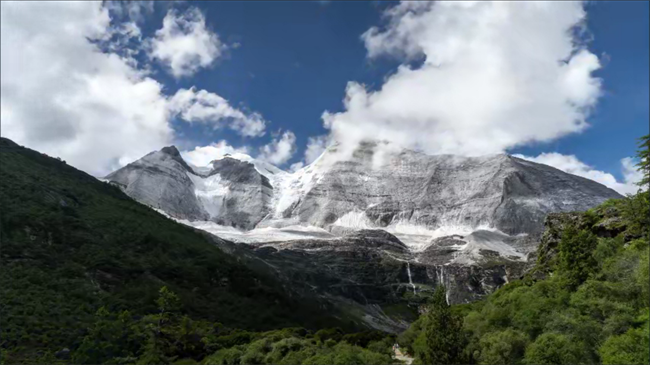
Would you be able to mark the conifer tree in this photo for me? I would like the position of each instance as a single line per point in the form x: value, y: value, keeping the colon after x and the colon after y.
x: 442, y: 340
x: 643, y: 153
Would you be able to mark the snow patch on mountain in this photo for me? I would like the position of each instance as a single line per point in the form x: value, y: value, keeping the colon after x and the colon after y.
x: 479, y: 242
x: 211, y: 192
x: 355, y: 220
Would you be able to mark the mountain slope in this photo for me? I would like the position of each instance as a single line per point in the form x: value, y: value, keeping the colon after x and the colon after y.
x: 71, y: 244
x: 408, y: 191
x: 229, y: 192
x: 442, y: 191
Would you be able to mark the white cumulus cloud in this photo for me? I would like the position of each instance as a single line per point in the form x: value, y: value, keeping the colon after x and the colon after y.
x: 70, y: 87
x: 296, y: 166
x: 62, y: 96
x: 202, y: 156
x: 572, y: 165
x: 134, y: 10
x: 184, y: 44
x: 315, y: 147
x: 279, y: 150
x: 490, y: 76
x: 206, y: 107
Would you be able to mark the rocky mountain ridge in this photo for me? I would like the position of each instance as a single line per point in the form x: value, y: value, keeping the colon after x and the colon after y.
x: 419, y: 198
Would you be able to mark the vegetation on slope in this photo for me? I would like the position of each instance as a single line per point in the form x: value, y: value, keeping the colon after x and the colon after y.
x: 167, y: 336
x: 77, y: 253
x: 586, y: 302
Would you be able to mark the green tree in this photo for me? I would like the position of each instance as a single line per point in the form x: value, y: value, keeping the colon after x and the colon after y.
x: 555, y: 348
x: 224, y: 357
x: 154, y: 350
x: 643, y: 153
x: 160, y: 331
x: 442, y: 340
x: 408, y: 337
x: 629, y: 348
x: 576, y: 258
x: 503, y: 347
x: 168, y: 306
x: 642, y: 276
x: 110, y: 337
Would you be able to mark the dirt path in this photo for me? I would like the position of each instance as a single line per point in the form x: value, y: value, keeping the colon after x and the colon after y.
x: 400, y: 356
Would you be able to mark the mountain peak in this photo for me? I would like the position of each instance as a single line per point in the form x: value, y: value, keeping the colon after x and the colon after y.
x: 171, y: 150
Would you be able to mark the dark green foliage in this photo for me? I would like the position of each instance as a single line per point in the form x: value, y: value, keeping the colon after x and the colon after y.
x: 555, y: 348
x: 229, y: 356
x: 274, y: 348
x: 634, y: 211
x: 111, y: 337
x: 329, y: 333
x: 72, y: 244
x: 576, y: 261
x: 167, y: 336
x: 643, y: 153
x: 631, y: 347
x: 407, y: 338
x: 503, y: 347
x: 441, y: 341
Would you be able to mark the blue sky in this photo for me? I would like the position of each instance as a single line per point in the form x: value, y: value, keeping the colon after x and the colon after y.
x: 295, y: 59
x: 269, y: 70
x: 293, y: 62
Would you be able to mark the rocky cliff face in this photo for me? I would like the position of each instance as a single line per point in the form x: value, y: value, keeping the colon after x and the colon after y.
x: 372, y: 277
x: 407, y: 189
x: 497, y: 191
x: 161, y: 180
x: 229, y: 192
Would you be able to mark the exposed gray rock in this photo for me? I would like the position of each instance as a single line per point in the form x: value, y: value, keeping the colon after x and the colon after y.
x: 63, y: 354
x: 499, y: 191
x: 231, y: 192
x: 370, y: 273
x: 160, y: 180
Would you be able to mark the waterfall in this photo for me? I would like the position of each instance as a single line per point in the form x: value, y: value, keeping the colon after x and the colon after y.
x: 408, y: 271
x: 441, y: 281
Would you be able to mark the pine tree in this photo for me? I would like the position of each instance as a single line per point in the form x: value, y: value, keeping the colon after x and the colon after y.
x: 168, y: 305
x: 160, y: 330
x: 577, y: 262
x: 442, y: 340
x: 110, y: 337
x: 153, y: 351
x: 643, y: 153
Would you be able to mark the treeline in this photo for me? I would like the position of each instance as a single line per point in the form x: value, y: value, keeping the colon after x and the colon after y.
x: 170, y: 337
x: 586, y: 302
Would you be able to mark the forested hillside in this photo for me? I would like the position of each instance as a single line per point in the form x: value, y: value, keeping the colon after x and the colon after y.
x: 81, y: 259
x: 585, y: 302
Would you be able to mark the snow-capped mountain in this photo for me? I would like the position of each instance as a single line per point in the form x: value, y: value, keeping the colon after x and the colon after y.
x: 230, y: 192
x: 416, y: 196
x: 441, y: 192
